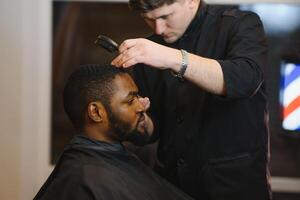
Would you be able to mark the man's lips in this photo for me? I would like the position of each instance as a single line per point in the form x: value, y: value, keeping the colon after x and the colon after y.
x: 168, y: 35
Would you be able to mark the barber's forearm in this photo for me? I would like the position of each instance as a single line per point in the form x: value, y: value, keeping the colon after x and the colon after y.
x: 205, y: 73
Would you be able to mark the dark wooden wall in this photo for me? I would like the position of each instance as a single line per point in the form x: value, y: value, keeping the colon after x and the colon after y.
x: 76, y: 26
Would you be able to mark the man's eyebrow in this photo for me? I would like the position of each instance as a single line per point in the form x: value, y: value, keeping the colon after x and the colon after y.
x: 159, y: 17
x: 145, y: 17
x: 133, y: 93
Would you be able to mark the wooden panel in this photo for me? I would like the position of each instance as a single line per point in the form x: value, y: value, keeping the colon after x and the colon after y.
x: 75, y: 28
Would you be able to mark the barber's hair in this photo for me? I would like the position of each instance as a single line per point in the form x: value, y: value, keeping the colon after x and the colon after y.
x: 148, y: 5
x: 87, y: 84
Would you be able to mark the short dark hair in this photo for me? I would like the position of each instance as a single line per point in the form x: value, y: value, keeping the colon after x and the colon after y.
x: 86, y: 84
x: 148, y: 5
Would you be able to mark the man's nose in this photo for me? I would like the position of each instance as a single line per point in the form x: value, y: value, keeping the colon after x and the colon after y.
x: 160, y: 26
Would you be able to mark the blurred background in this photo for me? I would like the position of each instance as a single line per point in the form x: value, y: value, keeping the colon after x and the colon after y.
x: 42, y: 41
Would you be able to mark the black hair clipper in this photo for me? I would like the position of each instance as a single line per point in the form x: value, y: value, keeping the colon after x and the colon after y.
x: 107, y: 43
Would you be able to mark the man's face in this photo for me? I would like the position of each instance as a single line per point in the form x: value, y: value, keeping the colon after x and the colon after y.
x: 126, y: 112
x: 171, y: 21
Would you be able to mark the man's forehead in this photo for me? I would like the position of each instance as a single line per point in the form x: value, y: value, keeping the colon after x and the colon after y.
x: 158, y: 12
x: 124, y: 84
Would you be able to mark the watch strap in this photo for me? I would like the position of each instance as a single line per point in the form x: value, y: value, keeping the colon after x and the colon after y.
x: 184, y: 64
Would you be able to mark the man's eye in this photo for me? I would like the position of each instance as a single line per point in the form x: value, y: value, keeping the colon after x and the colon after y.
x: 135, y: 97
x: 130, y: 102
x: 164, y: 17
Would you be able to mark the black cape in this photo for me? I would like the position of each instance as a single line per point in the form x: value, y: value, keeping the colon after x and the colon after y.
x: 90, y: 169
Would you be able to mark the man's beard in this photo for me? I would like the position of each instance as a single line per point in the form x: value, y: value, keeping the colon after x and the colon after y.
x: 124, y: 132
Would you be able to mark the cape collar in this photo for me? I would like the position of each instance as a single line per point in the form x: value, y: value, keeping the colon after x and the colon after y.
x: 86, y: 142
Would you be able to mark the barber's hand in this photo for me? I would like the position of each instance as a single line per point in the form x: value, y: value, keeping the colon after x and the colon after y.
x: 145, y: 102
x: 134, y: 51
x: 147, y: 125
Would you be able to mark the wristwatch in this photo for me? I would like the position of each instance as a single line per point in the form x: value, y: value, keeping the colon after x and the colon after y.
x: 184, y: 64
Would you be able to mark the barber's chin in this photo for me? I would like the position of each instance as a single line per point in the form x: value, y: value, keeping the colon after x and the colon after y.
x: 170, y: 39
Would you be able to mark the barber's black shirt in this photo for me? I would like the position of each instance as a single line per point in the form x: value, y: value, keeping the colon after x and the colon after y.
x: 196, y: 127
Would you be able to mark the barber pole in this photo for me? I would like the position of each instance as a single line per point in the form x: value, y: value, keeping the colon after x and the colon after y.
x: 290, y: 96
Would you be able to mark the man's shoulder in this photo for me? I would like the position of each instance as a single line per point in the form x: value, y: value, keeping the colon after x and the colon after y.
x: 85, y: 170
x: 225, y: 11
x: 74, y: 161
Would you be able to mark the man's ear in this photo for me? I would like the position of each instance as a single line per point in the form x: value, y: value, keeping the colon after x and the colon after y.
x: 192, y: 3
x: 96, y: 112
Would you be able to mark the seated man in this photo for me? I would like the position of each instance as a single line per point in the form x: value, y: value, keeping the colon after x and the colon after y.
x: 103, y: 104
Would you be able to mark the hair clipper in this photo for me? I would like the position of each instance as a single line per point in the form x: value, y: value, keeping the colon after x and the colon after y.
x: 107, y: 43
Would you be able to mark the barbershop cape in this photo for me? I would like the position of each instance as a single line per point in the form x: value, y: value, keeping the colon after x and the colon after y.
x: 90, y: 169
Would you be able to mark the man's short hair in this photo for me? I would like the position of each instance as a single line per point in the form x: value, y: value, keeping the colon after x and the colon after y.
x: 148, y: 5
x: 87, y: 84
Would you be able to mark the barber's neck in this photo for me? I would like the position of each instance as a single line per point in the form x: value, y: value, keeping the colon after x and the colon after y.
x: 197, y: 7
